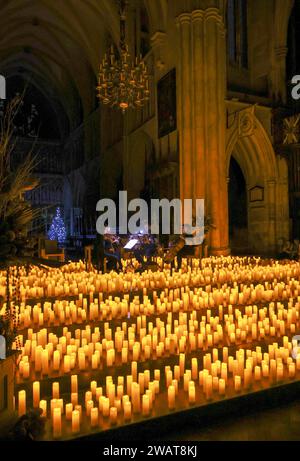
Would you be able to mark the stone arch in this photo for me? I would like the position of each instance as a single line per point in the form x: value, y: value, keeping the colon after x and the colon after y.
x: 267, y: 190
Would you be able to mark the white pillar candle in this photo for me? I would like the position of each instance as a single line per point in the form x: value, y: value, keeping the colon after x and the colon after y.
x: 45, y: 362
x: 55, y: 390
x: 43, y: 407
x: 192, y: 392
x: 74, y: 398
x: 36, y: 394
x: 89, y: 406
x: 56, y: 360
x: 69, y: 410
x: 257, y: 373
x: 135, y: 398
x: 194, y: 368
x: 105, y: 407
x: 127, y: 411
x: 145, y: 405
x: 292, y: 370
x: 94, y: 417
x: 237, y: 383
x: 56, y: 423
x: 74, y: 383
x: 67, y: 364
x: 75, y: 421
x: 171, y: 397
x: 222, y: 386
x: 26, y: 370
x: 21, y: 403
x: 113, y: 415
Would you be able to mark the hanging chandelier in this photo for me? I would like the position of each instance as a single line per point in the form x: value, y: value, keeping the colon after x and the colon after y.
x: 122, y: 82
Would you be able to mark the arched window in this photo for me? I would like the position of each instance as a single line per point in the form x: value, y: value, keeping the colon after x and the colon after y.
x: 237, y: 32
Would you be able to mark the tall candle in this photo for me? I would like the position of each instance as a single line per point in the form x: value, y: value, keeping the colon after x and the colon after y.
x: 43, y: 407
x: 55, y: 390
x: 145, y: 405
x: 21, y: 403
x: 191, y: 392
x: 127, y: 411
x: 94, y: 417
x: 171, y: 397
x: 222, y: 386
x: 75, y: 421
x: 69, y: 411
x: 89, y: 406
x: 36, y: 394
x: 74, y: 383
x: 105, y: 407
x: 56, y: 423
x: 113, y: 415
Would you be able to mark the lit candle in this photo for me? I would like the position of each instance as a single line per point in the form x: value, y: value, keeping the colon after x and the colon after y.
x: 36, y: 394
x: 69, y: 411
x: 237, y: 383
x: 113, y: 415
x: 75, y: 421
x: 105, y: 407
x: 56, y: 423
x: 192, y: 392
x: 56, y: 360
x: 67, y: 364
x: 55, y: 390
x: 145, y: 405
x: 89, y: 406
x: 127, y: 411
x: 74, y: 383
x: 222, y: 386
x: 22, y: 403
x: 171, y: 397
x: 43, y: 407
x: 74, y: 398
x: 94, y: 417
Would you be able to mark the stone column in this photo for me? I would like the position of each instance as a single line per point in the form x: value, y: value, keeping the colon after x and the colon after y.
x: 201, y: 87
x: 199, y: 158
x: 184, y: 81
x: 215, y: 125
x: 272, y: 215
x: 279, y: 84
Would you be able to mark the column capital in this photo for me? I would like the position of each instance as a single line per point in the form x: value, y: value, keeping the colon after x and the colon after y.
x: 213, y: 13
x: 197, y: 15
x: 184, y: 18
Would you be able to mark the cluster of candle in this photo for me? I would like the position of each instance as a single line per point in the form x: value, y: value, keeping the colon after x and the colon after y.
x: 71, y: 282
x: 141, y: 394
x: 156, y: 342
x: 145, y: 339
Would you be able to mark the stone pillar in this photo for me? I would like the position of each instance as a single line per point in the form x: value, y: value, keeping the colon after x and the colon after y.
x: 215, y: 82
x: 185, y: 107
x: 201, y: 114
x: 272, y: 215
x: 279, y: 73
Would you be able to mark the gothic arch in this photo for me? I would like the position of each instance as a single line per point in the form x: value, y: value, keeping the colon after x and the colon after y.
x: 264, y: 170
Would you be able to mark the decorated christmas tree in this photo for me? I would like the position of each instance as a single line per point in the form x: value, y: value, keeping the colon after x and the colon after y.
x: 57, y: 230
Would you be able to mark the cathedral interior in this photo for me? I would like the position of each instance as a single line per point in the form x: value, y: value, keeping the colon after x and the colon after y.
x: 163, y: 99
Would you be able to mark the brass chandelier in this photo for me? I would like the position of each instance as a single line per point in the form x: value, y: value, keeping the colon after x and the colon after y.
x: 122, y: 82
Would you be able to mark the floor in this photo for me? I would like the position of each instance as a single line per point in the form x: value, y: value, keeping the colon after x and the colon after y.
x: 281, y: 424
